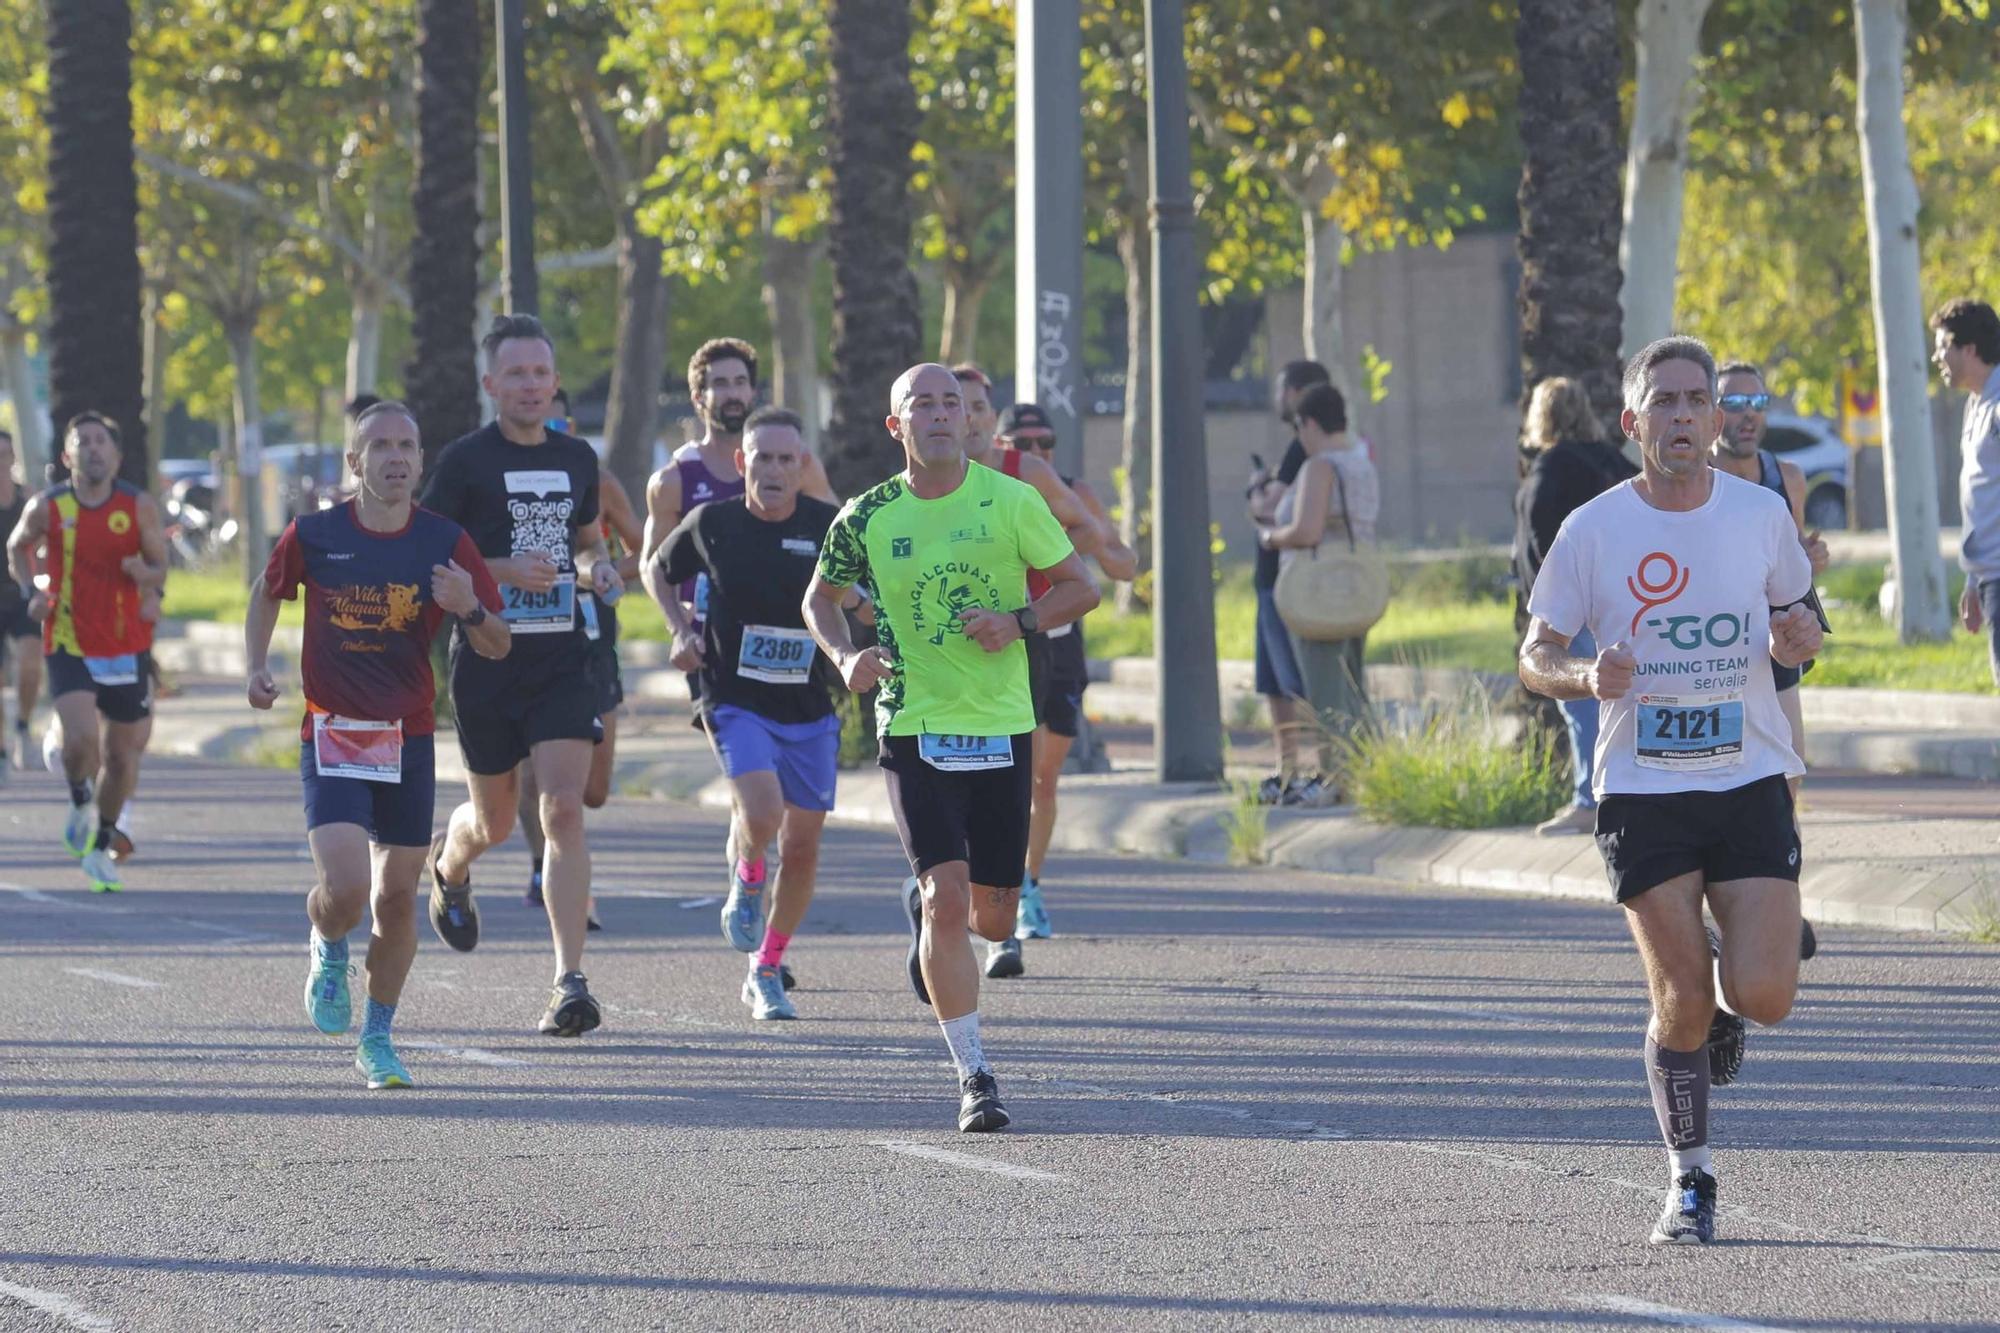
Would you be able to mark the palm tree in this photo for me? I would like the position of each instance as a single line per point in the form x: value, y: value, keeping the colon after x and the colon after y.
x: 95, y: 358
x: 441, y: 378
x: 877, y: 326
x: 1572, y: 171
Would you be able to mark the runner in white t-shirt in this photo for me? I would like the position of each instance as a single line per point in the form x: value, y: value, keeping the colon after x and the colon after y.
x: 1689, y: 576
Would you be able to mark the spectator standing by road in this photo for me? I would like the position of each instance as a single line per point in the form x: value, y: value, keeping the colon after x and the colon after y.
x: 1966, y: 349
x: 1335, y: 496
x: 1569, y: 463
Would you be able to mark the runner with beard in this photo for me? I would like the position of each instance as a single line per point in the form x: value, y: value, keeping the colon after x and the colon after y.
x: 722, y: 380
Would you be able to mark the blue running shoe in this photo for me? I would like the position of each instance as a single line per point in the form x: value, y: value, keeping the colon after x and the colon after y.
x: 1689, y: 1215
x: 329, y: 1003
x: 80, y: 830
x: 764, y: 992
x: 102, y: 871
x: 533, y: 897
x: 376, y: 1059
x: 913, y: 906
x: 1031, y: 919
x: 743, y: 916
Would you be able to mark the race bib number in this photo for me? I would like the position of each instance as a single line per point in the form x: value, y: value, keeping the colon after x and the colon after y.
x: 775, y: 656
x: 587, y: 604
x: 551, y: 612
x: 966, y: 754
x: 113, y: 670
x: 345, y: 747
x: 1689, y: 733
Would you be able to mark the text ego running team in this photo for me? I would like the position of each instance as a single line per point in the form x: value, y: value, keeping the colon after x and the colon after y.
x: 966, y: 564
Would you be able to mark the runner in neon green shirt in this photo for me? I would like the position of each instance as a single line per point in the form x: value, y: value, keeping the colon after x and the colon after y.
x: 944, y: 549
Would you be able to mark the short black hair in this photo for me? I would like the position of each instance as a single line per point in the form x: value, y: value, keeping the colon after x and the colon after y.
x: 1973, y: 322
x: 1303, y: 374
x: 1324, y: 406
x: 506, y: 328
x: 774, y: 416
x: 1740, y: 368
x: 967, y: 370
x: 562, y: 396
x: 85, y: 418
x: 719, y: 349
x: 361, y: 403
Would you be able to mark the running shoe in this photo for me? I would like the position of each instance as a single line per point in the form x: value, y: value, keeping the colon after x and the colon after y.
x: 101, y: 871
x: 764, y: 992
x: 1031, y: 918
x: 743, y: 916
x: 329, y: 1003
x: 1004, y: 959
x: 590, y: 921
x: 979, y: 1108
x: 785, y: 975
x: 80, y: 828
x: 533, y: 897
x: 1808, y: 941
x: 1726, y: 1036
x: 571, y: 1012
x: 1689, y: 1215
x: 454, y: 916
x: 376, y: 1059
x: 1271, y: 790
x: 913, y: 907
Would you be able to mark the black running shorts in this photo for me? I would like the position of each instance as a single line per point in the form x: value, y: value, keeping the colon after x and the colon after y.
x: 1057, y: 678
x: 1744, y: 833
x: 980, y: 818
x: 496, y: 731
x: 128, y: 697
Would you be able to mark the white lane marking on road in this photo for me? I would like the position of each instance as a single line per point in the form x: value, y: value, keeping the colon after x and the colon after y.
x: 1667, y: 1314
x: 115, y: 978
x: 614, y: 891
x: 701, y: 902
x: 1310, y: 1129
x: 57, y: 1306
x: 231, y: 933
x: 966, y: 1160
x: 49, y: 899
x: 472, y: 1053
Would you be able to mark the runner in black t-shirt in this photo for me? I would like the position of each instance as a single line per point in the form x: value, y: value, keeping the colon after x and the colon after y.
x: 766, y: 691
x: 528, y: 497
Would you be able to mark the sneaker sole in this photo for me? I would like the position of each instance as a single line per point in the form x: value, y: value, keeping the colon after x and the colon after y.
x: 1667, y: 1241
x: 1005, y: 965
x: 569, y: 1022
x: 742, y: 943
x: 392, y: 1081
x: 984, y: 1122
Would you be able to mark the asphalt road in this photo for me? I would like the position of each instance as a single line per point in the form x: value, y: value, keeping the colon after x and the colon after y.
x: 1241, y: 1099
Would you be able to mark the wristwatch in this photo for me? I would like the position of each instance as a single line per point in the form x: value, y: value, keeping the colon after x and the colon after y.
x: 477, y: 618
x: 1027, y: 620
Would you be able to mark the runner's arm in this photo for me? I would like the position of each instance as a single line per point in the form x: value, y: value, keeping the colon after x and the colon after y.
x: 1085, y: 532
x: 663, y: 511
x: 261, y: 619
x: 1795, y: 497
x: 862, y: 669
x: 1548, y: 668
x: 1118, y: 561
x: 148, y: 569
x: 1072, y: 594
x: 24, y: 545
x: 616, y: 505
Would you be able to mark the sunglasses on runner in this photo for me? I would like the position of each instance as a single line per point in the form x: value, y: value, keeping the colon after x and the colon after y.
x: 1026, y: 441
x: 1744, y: 402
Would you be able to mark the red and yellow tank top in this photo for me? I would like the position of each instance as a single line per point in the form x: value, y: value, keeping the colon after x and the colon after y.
x: 94, y: 604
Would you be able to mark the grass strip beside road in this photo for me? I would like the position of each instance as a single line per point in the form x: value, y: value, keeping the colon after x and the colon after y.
x: 1444, y: 614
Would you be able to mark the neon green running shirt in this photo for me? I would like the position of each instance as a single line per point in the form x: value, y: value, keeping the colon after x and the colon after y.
x: 923, y: 562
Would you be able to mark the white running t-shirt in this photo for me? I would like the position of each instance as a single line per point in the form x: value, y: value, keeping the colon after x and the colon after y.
x: 1691, y: 595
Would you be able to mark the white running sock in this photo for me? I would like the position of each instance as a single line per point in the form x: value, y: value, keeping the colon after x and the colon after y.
x: 962, y: 1035
x: 1691, y: 1159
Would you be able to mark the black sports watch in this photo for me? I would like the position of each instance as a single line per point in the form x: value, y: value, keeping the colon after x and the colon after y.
x: 1027, y: 620
x: 476, y: 618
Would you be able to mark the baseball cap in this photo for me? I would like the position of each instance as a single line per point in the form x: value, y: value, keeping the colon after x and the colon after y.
x: 1023, y: 416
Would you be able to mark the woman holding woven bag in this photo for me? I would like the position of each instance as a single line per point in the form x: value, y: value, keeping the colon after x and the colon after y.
x: 1335, y: 499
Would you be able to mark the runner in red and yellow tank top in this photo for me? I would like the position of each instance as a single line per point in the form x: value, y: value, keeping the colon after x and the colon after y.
x: 101, y: 544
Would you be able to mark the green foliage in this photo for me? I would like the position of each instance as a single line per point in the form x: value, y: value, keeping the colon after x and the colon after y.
x: 1456, y: 769
x: 857, y: 731
x: 1246, y: 821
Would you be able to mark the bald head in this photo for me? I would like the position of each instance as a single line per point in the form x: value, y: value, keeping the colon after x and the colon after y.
x: 933, y: 377
x: 927, y: 415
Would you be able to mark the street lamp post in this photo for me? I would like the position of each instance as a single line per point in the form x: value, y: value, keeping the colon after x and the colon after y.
x: 1188, y: 723
x: 1048, y: 219
x: 520, y: 289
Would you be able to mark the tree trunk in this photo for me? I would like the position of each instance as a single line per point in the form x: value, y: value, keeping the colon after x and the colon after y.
x: 93, y: 223
x: 441, y: 379
x: 364, y: 338
x: 241, y: 331
x: 1569, y: 197
x: 1135, y: 462
x: 632, y: 415
x: 877, y: 323
x: 31, y: 436
x: 788, y: 276
x: 964, y: 293
x: 1649, y: 251
x: 1324, y: 340
x: 1922, y: 610
x: 158, y: 347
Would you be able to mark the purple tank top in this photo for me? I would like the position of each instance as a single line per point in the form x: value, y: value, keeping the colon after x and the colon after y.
x: 699, y: 486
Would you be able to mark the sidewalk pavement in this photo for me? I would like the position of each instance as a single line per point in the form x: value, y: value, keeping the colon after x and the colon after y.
x: 1910, y: 853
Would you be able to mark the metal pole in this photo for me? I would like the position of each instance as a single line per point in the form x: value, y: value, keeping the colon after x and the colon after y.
x: 1188, y: 724
x: 1048, y: 219
x: 520, y: 290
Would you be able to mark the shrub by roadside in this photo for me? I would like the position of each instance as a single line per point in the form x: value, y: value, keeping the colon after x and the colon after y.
x: 1456, y: 767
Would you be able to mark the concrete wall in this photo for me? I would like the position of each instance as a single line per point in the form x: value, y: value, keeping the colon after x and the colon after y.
x: 1443, y: 436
